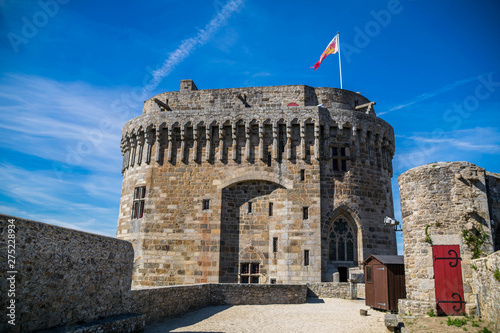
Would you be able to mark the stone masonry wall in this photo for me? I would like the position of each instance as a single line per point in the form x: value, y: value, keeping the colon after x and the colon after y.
x: 345, y: 290
x: 486, y: 277
x: 63, y: 276
x: 240, y: 294
x: 446, y: 198
x: 160, y: 303
x: 165, y: 302
x: 195, y: 145
x: 493, y: 186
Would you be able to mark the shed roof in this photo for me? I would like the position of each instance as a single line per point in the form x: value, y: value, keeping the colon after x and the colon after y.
x: 386, y: 259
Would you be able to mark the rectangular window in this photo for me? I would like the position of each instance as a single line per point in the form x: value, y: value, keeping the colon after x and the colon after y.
x: 302, y: 175
x: 334, y: 151
x: 269, y: 159
x: 138, y: 203
x: 206, y: 204
x: 305, y: 213
x: 249, y: 208
x: 369, y: 274
x: 249, y: 272
x: 306, y: 257
x: 275, y: 244
x: 273, y: 281
x: 344, y: 165
x: 342, y: 151
x: 245, y: 269
x: 270, y: 209
x: 335, y: 165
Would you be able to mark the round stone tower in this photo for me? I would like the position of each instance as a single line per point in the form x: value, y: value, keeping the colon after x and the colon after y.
x: 282, y: 184
x: 443, y: 205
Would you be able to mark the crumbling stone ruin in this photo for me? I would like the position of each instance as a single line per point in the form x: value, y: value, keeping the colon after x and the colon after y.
x: 282, y: 184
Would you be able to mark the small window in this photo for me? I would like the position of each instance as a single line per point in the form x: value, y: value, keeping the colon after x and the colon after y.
x: 269, y: 159
x: 273, y: 281
x: 305, y: 213
x: 302, y: 175
x: 275, y: 244
x: 250, y: 208
x: 334, y: 151
x: 306, y: 257
x: 245, y: 268
x: 344, y: 165
x: 335, y: 165
x: 249, y: 272
x: 270, y: 209
x: 369, y: 274
x: 342, y: 151
x: 206, y: 204
x: 138, y: 203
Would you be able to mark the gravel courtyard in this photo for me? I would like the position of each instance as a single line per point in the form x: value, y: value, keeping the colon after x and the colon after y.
x: 318, y: 315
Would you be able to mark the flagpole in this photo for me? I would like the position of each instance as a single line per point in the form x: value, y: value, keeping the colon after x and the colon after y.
x: 340, y: 65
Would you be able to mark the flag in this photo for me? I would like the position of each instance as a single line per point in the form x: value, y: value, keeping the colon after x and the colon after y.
x: 332, y: 48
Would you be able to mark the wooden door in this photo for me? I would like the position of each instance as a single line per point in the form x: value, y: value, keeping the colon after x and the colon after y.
x: 448, y: 279
x: 381, y: 294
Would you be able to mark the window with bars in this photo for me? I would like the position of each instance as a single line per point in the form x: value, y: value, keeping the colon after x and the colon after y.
x: 306, y: 257
x: 341, y: 241
x: 138, y: 203
x: 249, y: 272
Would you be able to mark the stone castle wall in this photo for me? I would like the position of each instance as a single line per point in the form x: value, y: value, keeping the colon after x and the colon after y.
x: 486, y: 274
x: 493, y: 189
x: 233, y: 147
x: 63, y: 276
x: 445, y: 198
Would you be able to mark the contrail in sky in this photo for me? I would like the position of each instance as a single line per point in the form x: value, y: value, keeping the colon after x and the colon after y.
x: 431, y: 94
x: 188, y: 45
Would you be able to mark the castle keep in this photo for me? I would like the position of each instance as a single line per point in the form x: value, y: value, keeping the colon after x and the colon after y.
x: 282, y: 184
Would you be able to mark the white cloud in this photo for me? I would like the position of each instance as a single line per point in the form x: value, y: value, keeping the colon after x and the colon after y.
x: 459, y: 145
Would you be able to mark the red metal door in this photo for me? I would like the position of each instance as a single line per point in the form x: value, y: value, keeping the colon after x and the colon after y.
x: 448, y: 279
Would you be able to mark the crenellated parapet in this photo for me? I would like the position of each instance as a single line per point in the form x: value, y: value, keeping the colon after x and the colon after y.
x: 249, y: 132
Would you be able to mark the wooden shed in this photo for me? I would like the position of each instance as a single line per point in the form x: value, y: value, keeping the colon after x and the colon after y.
x: 384, y: 281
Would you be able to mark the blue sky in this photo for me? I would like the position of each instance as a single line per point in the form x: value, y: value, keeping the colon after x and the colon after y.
x: 73, y: 72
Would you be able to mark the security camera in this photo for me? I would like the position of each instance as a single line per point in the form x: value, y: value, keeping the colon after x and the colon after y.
x: 390, y: 221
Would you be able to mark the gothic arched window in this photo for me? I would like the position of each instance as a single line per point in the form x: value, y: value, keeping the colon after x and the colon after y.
x: 341, y: 241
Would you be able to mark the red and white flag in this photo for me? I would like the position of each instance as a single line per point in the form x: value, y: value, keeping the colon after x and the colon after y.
x: 332, y: 48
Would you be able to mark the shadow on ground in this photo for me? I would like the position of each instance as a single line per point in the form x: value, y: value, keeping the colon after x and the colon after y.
x: 185, y: 320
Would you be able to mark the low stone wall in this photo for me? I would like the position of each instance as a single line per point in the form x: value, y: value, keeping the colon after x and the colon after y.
x: 251, y: 294
x: 361, y: 290
x: 61, y: 276
x: 164, y: 302
x: 170, y: 301
x: 345, y: 290
x: 409, y: 307
x: 486, y: 283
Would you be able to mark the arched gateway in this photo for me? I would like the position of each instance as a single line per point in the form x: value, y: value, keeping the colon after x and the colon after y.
x: 255, y: 185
